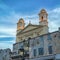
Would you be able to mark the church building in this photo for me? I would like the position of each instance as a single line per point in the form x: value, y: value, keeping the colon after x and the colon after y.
x: 31, y: 31
x: 35, y: 42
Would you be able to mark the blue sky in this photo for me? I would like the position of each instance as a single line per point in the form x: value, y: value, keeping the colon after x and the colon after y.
x: 12, y: 10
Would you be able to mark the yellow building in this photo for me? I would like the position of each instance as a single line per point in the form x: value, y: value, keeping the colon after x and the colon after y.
x: 30, y: 31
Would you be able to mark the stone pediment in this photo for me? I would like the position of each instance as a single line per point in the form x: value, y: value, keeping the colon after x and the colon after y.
x: 29, y: 27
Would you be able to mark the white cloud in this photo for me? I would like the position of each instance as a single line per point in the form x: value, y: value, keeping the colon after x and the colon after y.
x: 4, y: 45
x: 3, y: 36
x: 8, y: 31
x: 7, y: 44
x: 8, y: 24
x: 13, y: 17
x: 54, y: 19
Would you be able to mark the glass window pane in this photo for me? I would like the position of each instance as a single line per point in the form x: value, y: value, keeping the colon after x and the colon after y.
x: 49, y: 37
x: 34, y: 52
x: 40, y: 51
x: 50, y: 49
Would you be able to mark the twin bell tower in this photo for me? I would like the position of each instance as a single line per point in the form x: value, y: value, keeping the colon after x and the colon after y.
x: 43, y: 20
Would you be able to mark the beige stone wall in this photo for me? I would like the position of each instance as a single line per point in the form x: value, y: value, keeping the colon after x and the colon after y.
x: 33, y: 33
x: 57, y: 42
x: 45, y: 45
x: 54, y: 42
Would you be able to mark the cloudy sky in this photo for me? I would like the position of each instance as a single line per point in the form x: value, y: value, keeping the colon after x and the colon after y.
x: 12, y: 10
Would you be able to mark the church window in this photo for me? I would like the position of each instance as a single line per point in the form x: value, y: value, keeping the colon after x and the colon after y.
x: 40, y: 51
x: 49, y: 37
x: 34, y: 52
x: 42, y: 17
x: 50, y: 49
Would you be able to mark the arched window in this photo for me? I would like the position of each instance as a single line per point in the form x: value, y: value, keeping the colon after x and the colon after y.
x: 42, y: 18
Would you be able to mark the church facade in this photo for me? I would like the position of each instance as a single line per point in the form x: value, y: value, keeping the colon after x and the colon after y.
x: 34, y: 42
x: 32, y: 30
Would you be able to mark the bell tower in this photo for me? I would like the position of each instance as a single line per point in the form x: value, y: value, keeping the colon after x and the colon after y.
x: 43, y: 17
x: 20, y: 24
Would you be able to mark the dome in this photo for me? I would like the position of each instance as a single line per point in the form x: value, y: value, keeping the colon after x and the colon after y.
x: 43, y: 11
x: 21, y: 19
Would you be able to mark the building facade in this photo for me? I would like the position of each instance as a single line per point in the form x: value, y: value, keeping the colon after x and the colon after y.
x: 30, y: 31
x: 35, y: 42
x: 45, y: 46
x: 5, y: 54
